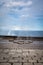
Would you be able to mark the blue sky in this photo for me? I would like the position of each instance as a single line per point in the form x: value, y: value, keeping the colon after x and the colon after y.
x: 21, y: 14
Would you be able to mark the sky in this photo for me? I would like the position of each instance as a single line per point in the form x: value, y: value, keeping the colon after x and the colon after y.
x: 21, y: 15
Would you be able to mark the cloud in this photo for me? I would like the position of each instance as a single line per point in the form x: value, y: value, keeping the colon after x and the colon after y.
x: 22, y: 28
x: 1, y: 4
x: 24, y: 16
x: 20, y: 12
x: 15, y: 8
x: 13, y: 28
x: 18, y: 3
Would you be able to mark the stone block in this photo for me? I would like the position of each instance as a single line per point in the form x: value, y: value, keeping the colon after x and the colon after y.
x: 40, y: 59
x: 27, y: 64
x: 1, y: 50
x: 4, y: 57
x: 38, y: 63
x: 15, y: 59
x: 6, y: 51
x: 17, y: 63
x: 5, y: 64
x: 24, y: 59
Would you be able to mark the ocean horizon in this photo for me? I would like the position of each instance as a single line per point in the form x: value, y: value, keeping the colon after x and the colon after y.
x: 21, y: 33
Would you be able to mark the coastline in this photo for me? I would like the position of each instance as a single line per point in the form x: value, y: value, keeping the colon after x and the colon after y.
x: 21, y: 37
x: 21, y: 42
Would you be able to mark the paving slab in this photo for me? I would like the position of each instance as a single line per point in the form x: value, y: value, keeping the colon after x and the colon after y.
x: 5, y: 64
x: 38, y: 63
x: 17, y: 63
x: 28, y: 64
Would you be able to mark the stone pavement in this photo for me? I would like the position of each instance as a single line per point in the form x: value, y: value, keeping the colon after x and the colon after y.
x: 21, y: 57
x: 17, y: 54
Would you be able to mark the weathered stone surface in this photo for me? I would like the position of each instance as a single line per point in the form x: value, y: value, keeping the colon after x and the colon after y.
x: 40, y: 59
x: 32, y: 61
x: 38, y: 63
x: 21, y: 55
x: 14, y: 59
x: 28, y: 64
x: 15, y: 54
x: 17, y: 63
x: 4, y: 57
x: 5, y: 64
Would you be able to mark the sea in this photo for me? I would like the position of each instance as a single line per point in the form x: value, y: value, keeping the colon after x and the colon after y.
x: 21, y: 33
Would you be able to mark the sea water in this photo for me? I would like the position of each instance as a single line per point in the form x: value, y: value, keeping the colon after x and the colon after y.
x: 22, y: 33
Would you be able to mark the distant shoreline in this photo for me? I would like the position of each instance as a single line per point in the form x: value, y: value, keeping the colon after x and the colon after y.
x: 10, y: 42
x: 22, y: 37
